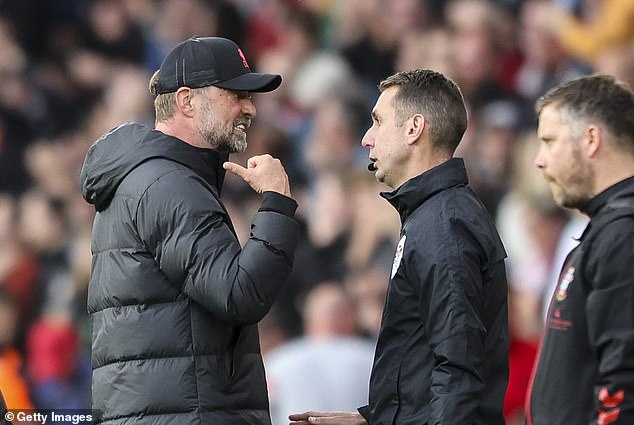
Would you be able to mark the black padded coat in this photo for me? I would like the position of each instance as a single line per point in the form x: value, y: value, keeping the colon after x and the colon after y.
x: 174, y: 299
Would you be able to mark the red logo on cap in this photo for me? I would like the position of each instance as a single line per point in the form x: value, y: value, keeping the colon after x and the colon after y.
x: 244, y: 59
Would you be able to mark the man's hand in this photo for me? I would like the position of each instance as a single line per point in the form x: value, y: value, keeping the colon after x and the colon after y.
x: 263, y: 173
x: 327, y: 418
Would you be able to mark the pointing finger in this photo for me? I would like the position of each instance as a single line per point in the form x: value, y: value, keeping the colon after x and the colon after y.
x: 236, y: 169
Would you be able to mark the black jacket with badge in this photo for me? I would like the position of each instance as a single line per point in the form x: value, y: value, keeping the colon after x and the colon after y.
x: 174, y: 300
x: 585, y: 371
x: 442, y: 351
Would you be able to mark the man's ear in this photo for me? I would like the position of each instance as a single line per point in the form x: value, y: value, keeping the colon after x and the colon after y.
x: 184, y: 96
x: 415, y: 127
x: 593, y: 139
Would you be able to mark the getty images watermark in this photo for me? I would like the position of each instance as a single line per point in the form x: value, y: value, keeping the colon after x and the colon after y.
x: 51, y: 416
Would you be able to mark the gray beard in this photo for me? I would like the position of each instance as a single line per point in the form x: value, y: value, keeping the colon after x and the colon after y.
x: 227, y: 143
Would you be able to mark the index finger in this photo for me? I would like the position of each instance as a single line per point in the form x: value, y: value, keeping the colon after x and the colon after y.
x: 236, y: 169
x: 299, y: 416
x: 314, y: 414
x: 304, y: 416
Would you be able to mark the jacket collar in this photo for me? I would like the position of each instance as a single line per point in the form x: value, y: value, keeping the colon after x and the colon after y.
x: 207, y: 163
x: 111, y: 158
x: 411, y: 194
x: 624, y: 188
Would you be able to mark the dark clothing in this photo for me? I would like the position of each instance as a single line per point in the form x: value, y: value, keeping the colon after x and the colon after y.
x: 174, y: 300
x: 3, y: 411
x: 585, y: 371
x: 442, y: 351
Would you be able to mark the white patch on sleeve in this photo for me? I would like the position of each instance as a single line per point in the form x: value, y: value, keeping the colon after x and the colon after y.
x: 398, y: 256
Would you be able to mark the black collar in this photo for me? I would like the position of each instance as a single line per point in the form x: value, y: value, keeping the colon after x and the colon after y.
x: 207, y: 163
x: 596, y: 204
x: 411, y: 194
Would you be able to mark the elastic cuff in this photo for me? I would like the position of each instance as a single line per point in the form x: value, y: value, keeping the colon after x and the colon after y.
x: 274, y: 201
x: 365, y: 412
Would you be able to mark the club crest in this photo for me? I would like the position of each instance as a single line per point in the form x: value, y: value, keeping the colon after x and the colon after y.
x: 566, y: 280
x: 399, y: 255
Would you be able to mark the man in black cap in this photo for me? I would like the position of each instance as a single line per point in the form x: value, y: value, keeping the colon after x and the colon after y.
x: 174, y: 299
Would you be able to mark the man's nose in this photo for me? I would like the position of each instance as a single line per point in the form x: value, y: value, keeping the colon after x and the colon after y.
x: 248, y: 108
x: 367, y: 141
x: 539, y: 160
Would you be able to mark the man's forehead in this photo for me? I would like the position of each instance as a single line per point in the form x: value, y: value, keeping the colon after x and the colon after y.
x: 549, y: 115
x: 388, y: 94
x: 549, y: 121
x: 385, y: 100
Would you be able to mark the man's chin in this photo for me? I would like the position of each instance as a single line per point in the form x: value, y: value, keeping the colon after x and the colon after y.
x: 559, y: 197
x: 568, y: 202
x: 239, y: 146
x: 231, y: 145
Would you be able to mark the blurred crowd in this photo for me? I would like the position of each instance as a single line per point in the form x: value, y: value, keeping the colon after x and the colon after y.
x: 71, y: 70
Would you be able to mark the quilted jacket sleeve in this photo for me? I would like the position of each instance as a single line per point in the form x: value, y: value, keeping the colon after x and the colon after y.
x: 191, y: 236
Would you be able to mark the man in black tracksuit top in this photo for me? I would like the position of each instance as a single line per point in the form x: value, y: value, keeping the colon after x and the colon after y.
x: 442, y: 351
x: 585, y: 369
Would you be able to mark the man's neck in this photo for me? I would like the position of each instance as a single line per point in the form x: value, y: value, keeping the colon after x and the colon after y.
x: 181, y: 132
x: 612, y: 172
x: 422, y: 164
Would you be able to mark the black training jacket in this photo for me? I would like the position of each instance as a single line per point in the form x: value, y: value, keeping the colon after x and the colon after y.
x: 442, y: 351
x: 585, y: 371
x: 174, y: 300
x: 3, y: 411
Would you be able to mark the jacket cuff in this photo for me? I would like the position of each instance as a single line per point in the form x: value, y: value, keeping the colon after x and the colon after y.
x: 274, y: 201
x: 365, y: 412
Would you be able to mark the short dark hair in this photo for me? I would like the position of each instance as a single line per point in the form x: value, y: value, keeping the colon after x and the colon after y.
x: 437, y: 98
x: 596, y: 97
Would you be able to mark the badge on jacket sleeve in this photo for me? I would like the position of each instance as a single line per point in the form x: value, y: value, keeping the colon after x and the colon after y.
x: 399, y: 255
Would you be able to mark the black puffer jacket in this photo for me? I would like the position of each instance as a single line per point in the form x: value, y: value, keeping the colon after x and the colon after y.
x: 442, y: 351
x: 174, y: 299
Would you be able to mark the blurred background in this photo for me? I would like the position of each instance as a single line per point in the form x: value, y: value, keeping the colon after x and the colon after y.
x: 72, y: 69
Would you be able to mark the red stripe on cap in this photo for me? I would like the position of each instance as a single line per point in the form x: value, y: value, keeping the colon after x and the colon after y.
x: 244, y: 59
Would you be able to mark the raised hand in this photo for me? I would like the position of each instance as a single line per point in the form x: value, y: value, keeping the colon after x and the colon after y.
x: 263, y: 173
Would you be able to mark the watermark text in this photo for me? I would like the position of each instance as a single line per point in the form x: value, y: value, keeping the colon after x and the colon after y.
x: 51, y: 416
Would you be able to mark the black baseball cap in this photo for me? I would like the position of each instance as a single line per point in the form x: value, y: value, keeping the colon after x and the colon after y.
x: 211, y: 61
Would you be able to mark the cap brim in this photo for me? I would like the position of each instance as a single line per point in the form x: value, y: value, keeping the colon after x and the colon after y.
x: 253, y: 81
